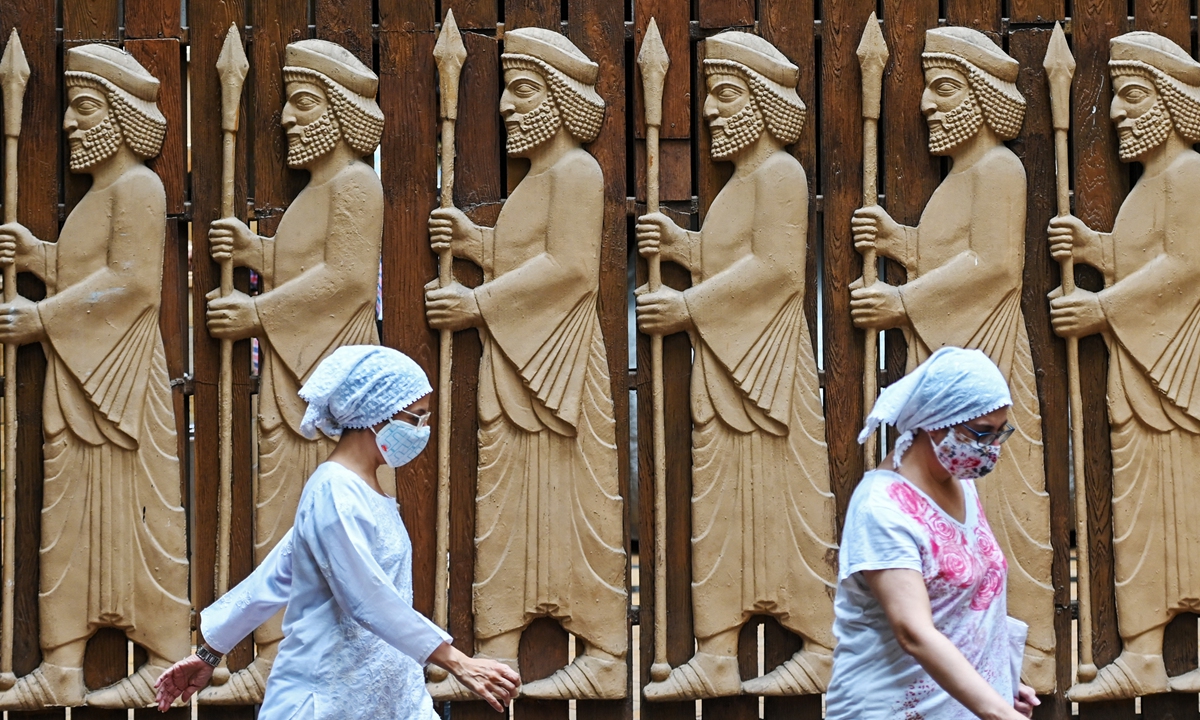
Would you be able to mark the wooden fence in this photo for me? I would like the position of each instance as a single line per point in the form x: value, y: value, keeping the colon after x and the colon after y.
x: 396, y: 37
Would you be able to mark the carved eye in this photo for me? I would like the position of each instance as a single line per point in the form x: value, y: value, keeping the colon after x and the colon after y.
x: 1135, y: 94
x: 946, y: 87
x: 525, y: 88
x: 728, y: 93
x: 306, y: 101
x: 87, y: 106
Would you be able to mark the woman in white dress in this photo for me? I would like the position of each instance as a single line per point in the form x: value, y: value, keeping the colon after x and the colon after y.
x: 920, y: 614
x: 353, y: 646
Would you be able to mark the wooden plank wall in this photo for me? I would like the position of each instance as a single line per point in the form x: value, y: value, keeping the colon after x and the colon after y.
x: 396, y: 37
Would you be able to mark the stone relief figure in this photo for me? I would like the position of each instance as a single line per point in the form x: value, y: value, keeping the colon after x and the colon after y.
x: 1149, y: 314
x: 319, y: 275
x: 549, y: 514
x: 762, y: 513
x: 964, y: 262
x: 114, y: 532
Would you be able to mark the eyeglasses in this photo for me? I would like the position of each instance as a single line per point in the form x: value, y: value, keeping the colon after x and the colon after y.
x: 418, y: 420
x: 992, y: 437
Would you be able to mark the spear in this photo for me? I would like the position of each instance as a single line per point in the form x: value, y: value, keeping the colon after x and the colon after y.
x: 449, y: 53
x: 872, y: 57
x: 1060, y: 70
x: 14, y: 74
x: 232, y: 67
x: 653, y: 62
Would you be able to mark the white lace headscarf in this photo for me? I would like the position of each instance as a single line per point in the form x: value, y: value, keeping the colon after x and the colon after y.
x: 950, y: 388
x: 359, y: 386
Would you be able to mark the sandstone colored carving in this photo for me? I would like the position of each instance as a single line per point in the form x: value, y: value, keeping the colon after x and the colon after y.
x: 1149, y: 312
x: 319, y: 274
x: 762, y: 513
x: 964, y: 262
x: 114, y: 532
x: 549, y: 515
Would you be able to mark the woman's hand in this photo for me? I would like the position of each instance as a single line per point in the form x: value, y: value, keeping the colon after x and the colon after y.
x: 1026, y: 701
x: 493, y: 681
x: 185, y: 678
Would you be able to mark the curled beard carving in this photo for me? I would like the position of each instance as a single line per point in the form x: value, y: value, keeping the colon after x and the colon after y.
x: 740, y: 130
x: 318, y: 137
x: 534, y: 128
x: 956, y: 127
x: 1148, y: 132
x: 98, y: 144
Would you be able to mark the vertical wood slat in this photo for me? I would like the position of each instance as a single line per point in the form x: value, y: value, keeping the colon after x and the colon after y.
x: 472, y: 14
x: 589, y: 26
x: 841, y: 168
x: 408, y: 164
x: 725, y: 13
x: 1101, y: 182
x: 145, y: 19
x: 38, y: 172
x: 909, y: 173
x: 479, y: 153
x: 1035, y: 147
x: 163, y: 59
x: 675, y: 146
x: 209, y: 21
x: 348, y: 24
x: 1169, y: 18
x: 277, y: 23
x: 981, y: 15
x: 92, y: 20
x: 1036, y: 11
x: 532, y: 13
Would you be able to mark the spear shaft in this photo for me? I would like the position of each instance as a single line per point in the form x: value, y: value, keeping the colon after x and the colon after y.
x: 14, y: 76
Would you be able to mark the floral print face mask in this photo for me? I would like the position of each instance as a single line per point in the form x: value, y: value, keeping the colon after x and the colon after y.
x: 965, y: 459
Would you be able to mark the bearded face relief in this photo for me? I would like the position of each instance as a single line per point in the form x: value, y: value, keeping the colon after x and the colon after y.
x: 92, y: 133
x: 309, y: 122
x: 531, y: 116
x: 1140, y: 116
x: 950, y: 109
x: 734, y: 117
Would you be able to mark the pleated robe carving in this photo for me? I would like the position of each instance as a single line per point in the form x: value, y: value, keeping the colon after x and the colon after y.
x: 762, y: 513
x: 114, y: 532
x: 320, y: 289
x: 549, y: 522
x: 965, y: 264
x: 1152, y: 303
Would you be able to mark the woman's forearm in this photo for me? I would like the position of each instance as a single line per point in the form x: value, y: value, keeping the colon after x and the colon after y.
x: 950, y: 669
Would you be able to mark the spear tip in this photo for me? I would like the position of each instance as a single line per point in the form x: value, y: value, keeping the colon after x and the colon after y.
x: 652, y: 58
x: 14, y: 67
x: 1058, y: 54
x: 872, y: 49
x: 232, y: 63
x: 1060, y: 70
x: 449, y: 47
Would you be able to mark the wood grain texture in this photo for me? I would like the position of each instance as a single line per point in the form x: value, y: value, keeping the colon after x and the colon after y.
x: 841, y: 168
x: 589, y: 24
x: 1101, y: 183
x: 982, y: 15
x: 671, y: 16
x: 543, y: 650
x: 1035, y: 147
x: 347, y: 23
x: 1039, y: 11
x: 532, y: 13
x: 163, y: 58
x: 725, y: 13
x: 90, y: 20
x: 675, y: 169
x: 1169, y: 18
x: 152, y: 19
x: 279, y: 22
x: 472, y: 14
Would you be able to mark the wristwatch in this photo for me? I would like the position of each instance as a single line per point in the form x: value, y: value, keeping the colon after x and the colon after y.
x: 208, y: 656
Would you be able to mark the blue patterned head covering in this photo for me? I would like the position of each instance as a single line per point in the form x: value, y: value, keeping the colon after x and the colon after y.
x: 360, y: 386
x: 950, y: 388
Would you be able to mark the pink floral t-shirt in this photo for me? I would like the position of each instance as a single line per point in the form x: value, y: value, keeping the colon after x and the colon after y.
x: 891, y: 524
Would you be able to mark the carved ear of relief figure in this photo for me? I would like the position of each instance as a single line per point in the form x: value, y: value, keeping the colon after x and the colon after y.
x: 549, y: 514
x: 964, y: 261
x: 762, y: 514
x: 114, y: 544
x: 319, y: 273
x: 1150, y: 312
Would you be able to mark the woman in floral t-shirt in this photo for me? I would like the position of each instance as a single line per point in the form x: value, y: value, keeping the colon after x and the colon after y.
x: 920, y: 615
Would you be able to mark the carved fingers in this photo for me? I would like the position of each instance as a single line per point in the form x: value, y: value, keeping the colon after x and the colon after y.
x: 451, y: 308
x: 450, y: 225
x: 185, y: 678
x: 878, y: 306
x: 1077, y: 314
x: 15, y: 241
x: 230, y: 239
x: 20, y: 323
x: 662, y: 312
x: 232, y: 317
x: 874, y: 228
x: 657, y: 233
x: 1070, y: 237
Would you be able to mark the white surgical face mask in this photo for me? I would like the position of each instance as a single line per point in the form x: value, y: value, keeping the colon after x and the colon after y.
x: 965, y: 459
x: 399, y: 442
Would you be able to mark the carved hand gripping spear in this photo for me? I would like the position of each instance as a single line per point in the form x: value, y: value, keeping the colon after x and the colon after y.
x: 1060, y: 70
x: 232, y: 67
x: 449, y: 53
x: 14, y: 74
x: 872, y: 57
x: 652, y: 60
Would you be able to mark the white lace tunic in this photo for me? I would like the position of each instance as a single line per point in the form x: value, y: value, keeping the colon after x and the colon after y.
x: 353, y: 646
